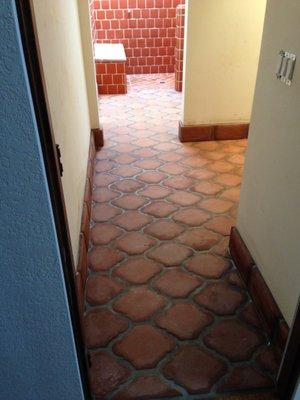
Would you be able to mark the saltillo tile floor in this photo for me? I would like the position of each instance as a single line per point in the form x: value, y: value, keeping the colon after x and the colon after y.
x: 167, y: 315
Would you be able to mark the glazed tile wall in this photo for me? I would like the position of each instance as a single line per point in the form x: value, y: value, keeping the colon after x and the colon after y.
x: 146, y: 28
x: 111, y: 78
x: 179, y: 34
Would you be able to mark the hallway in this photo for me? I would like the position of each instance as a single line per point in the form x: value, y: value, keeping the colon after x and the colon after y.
x: 167, y: 315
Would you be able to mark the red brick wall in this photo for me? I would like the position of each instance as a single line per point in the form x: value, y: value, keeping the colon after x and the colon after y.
x: 111, y: 77
x: 147, y: 32
x: 93, y: 15
x: 180, y: 16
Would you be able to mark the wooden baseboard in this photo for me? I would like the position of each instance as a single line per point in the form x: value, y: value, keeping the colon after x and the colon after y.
x: 259, y: 290
x: 198, y: 133
x: 98, y: 137
x: 81, y: 267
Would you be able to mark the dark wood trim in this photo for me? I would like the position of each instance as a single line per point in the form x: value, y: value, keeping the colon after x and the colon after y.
x: 98, y: 137
x: 287, y: 340
x: 81, y: 268
x: 289, y: 371
x: 257, y: 287
x: 199, y: 133
x: 37, y: 87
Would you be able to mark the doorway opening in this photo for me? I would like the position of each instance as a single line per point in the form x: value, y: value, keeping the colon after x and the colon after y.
x: 136, y: 37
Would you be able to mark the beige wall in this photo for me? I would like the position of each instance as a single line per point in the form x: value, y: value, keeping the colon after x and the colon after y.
x: 59, y: 35
x: 221, y: 54
x: 269, y: 212
x: 89, y: 63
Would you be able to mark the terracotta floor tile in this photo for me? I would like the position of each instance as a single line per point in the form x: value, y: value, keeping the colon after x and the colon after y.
x: 221, y: 249
x: 124, y: 158
x: 101, y: 326
x: 231, y: 194
x: 200, y: 174
x: 250, y: 315
x: 163, y: 300
x: 103, y: 180
x: 246, y: 378
x: 145, y: 153
x: 233, y: 339
x: 100, y: 289
x: 237, y: 159
x: 101, y: 195
x: 268, y: 360
x: 191, y: 216
x: 103, y: 166
x: 155, y: 192
x: 147, y: 387
x: 179, y: 182
x: 235, y: 279
x: 103, y: 368
x: 124, y: 148
x: 213, y: 295
x: 229, y: 179
x: 148, y: 164
x: 144, y: 142
x: 195, y: 162
x: 104, y: 212
x: 199, y: 239
x: 138, y: 270
x: 187, y: 369
x: 173, y: 169
x: 170, y: 254
x: 164, y: 229
x: 132, y: 220
x: 184, y: 320
x: 127, y: 185
x: 170, y: 157
x: 130, y: 202
x: 184, y: 198
x: 139, y: 303
x: 135, y: 243
x: 126, y: 171
x: 177, y: 283
x: 220, y: 224
x: 159, y: 209
x: 208, y: 265
x: 144, y: 346
x: 216, y: 205
x: 103, y: 258
x: 207, y: 188
x: 221, y: 166
x: 104, y: 233
x: 152, y: 177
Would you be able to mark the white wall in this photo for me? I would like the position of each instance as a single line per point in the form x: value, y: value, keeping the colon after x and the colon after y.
x: 59, y: 36
x: 269, y: 212
x: 222, y: 46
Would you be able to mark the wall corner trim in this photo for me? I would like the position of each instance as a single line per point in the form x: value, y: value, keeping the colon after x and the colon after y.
x: 202, y: 132
x: 259, y: 290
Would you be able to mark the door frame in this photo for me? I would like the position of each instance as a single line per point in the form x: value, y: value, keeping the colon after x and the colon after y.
x: 290, y: 365
x: 51, y: 162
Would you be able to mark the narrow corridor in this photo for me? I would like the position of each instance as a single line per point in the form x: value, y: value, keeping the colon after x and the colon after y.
x: 167, y: 315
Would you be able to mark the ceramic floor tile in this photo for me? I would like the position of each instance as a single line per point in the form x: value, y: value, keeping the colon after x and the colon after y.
x: 167, y: 315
